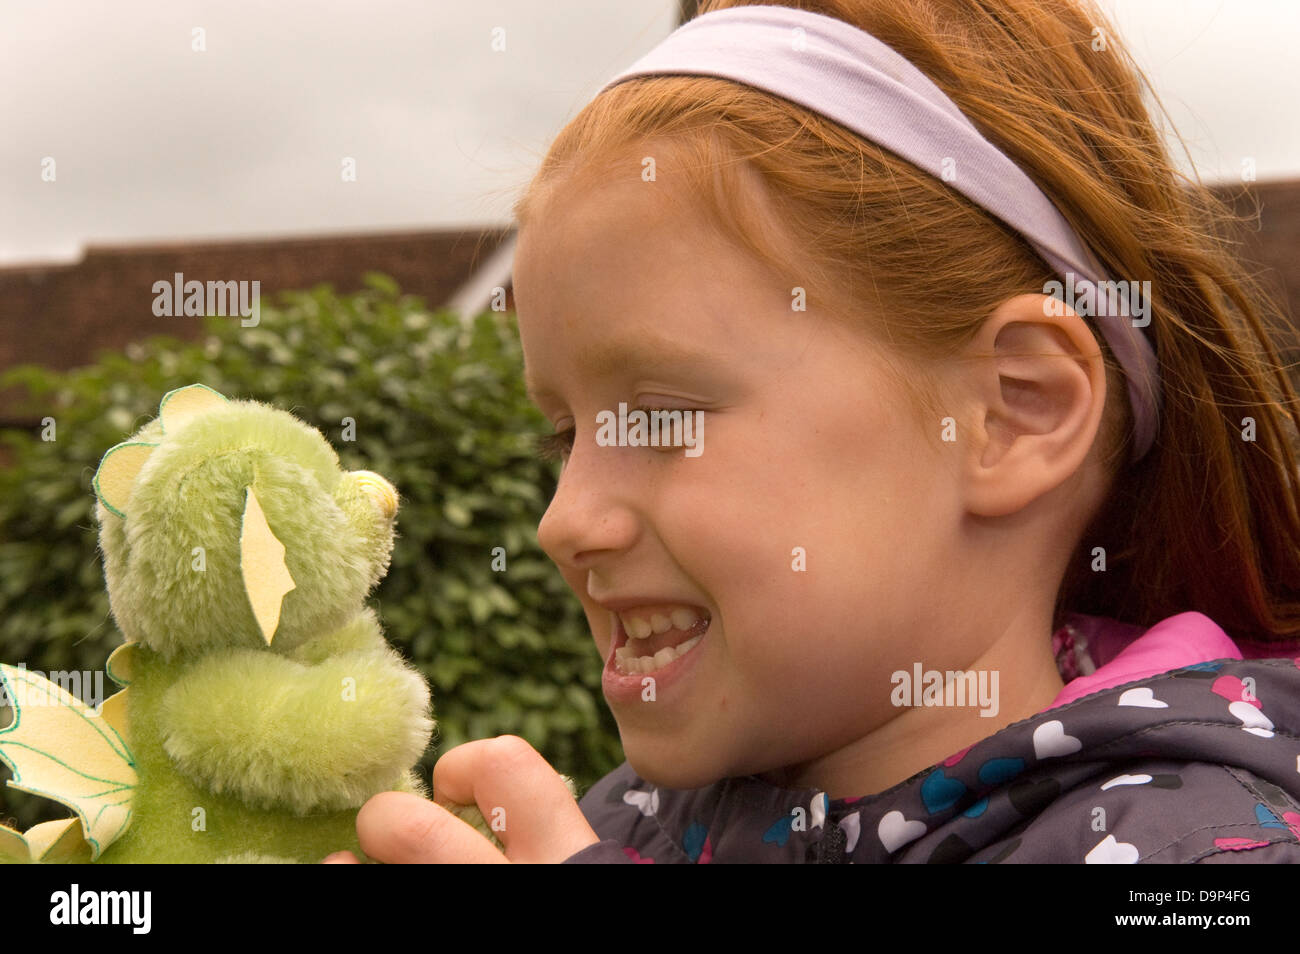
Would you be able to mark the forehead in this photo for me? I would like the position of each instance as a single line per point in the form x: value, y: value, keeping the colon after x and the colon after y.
x: 608, y: 218
x: 613, y: 270
x: 663, y: 198
x: 618, y: 267
x: 608, y: 355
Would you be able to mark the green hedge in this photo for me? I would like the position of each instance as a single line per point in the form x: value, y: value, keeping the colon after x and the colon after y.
x: 439, y: 410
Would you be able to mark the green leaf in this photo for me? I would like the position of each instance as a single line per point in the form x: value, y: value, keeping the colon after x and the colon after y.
x: 457, y: 514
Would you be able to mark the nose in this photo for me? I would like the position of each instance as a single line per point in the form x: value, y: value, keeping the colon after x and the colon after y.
x: 379, y: 490
x: 590, y: 514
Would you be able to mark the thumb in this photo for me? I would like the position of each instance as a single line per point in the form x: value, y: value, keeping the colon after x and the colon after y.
x: 527, y: 804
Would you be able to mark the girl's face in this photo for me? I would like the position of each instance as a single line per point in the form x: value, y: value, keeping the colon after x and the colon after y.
x: 813, y: 528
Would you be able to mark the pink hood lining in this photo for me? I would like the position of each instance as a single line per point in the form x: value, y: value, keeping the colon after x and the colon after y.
x: 1096, y: 653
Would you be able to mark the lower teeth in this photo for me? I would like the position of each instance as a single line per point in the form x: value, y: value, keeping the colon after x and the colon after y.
x: 628, y: 664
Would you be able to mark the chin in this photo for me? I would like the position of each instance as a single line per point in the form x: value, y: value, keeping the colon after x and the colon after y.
x: 669, y: 772
x: 675, y: 778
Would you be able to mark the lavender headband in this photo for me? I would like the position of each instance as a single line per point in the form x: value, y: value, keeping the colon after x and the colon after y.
x: 847, y: 75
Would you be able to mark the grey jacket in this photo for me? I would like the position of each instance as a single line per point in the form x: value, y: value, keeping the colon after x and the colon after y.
x: 1165, y: 746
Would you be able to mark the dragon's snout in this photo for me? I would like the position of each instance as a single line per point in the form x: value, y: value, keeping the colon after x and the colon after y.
x: 378, y: 490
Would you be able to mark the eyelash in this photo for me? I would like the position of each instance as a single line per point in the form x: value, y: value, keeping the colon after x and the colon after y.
x: 557, y: 446
x: 554, y: 447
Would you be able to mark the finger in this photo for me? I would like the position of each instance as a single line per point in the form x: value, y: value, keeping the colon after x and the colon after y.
x: 399, y: 828
x: 522, y: 797
x: 341, y: 858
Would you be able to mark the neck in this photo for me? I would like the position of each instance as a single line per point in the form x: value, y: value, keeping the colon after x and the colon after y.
x: 919, y: 737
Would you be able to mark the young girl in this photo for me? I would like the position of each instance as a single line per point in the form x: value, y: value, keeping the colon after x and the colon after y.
x: 988, y: 546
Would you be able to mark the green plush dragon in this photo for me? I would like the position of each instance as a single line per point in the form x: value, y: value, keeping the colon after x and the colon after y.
x: 264, y: 706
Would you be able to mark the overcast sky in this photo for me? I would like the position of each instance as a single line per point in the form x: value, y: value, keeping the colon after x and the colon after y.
x: 154, y: 140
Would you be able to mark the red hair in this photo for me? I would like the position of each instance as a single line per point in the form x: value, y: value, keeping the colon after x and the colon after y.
x: 1207, y: 521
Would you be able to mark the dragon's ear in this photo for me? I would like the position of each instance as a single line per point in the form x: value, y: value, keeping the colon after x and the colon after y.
x: 261, y: 560
x: 180, y: 406
x: 115, y: 478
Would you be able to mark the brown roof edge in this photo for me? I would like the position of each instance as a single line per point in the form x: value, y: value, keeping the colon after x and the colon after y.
x: 102, y: 250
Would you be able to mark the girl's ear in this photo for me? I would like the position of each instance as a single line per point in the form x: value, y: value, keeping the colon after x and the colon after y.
x: 1038, y: 381
x: 261, y: 562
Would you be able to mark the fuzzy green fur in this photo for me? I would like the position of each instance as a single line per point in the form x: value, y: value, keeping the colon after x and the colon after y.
x: 366, y: 713
x: 165, y: 825
x: 246, y: 752
x: 191, y: 494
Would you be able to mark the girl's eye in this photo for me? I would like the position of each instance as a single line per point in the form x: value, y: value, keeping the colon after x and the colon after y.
x: 558, y: 446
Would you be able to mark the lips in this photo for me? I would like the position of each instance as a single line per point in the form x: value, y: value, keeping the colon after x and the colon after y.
x: 625, y: 603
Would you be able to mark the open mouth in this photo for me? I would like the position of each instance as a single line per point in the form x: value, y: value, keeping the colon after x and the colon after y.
x: 649, y: 654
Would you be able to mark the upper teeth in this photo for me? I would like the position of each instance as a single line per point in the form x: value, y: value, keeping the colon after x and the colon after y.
x: 640, y: 627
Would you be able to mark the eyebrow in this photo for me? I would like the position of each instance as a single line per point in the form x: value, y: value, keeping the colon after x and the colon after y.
x: 610, y: 356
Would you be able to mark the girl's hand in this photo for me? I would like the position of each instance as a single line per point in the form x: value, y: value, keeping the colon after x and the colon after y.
x: 521, y: 796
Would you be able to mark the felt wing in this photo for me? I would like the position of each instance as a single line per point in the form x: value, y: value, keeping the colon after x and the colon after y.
x: 52, y: 842
x: 60, y: 748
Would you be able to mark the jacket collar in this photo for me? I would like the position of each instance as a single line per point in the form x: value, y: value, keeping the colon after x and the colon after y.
x: 970, y: 800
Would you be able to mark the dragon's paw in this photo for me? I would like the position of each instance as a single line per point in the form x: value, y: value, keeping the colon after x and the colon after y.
x: 302, y: 738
